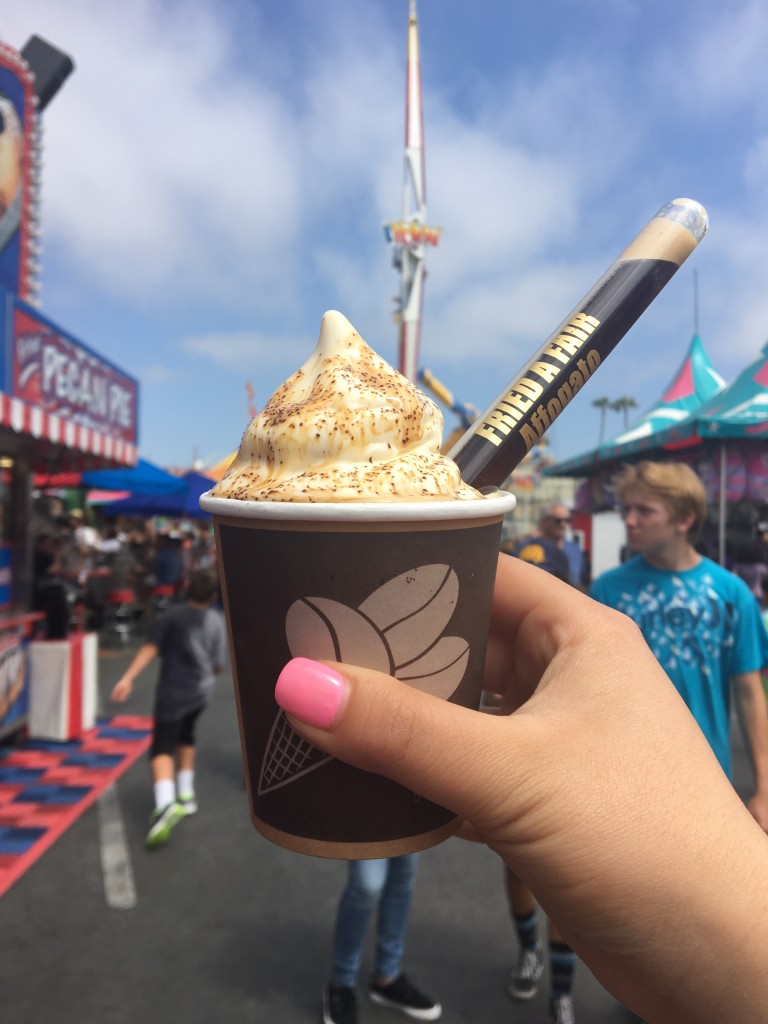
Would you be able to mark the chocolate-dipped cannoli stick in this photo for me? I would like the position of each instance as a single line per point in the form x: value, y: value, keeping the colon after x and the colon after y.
x: 499, y: 439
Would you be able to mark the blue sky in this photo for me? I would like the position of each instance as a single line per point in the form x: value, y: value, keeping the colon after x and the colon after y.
x: 216, y: 174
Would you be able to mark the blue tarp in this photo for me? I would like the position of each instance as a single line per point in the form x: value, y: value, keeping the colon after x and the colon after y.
x: 184, y: 504
x: 144, y: 478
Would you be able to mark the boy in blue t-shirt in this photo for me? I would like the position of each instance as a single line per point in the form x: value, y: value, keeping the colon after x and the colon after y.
x: 701, y: 621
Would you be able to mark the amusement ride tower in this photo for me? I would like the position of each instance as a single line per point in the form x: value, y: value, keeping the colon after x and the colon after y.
x: 410, y: 235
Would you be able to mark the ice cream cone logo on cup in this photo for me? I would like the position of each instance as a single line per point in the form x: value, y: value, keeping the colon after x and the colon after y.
x: 397, y: 629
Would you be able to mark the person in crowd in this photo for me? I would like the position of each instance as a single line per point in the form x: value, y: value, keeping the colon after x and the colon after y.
x: 121, y: 562
x: 190, y: 641
x: 385, y: 886
x: 764, y: 613
x: 700, y: 620
x: 74, y: 562
x: 751, y: 563
x: 546, y: 547
x: 49, y: 590
x: 203, y: 550
x: 630, y: 836
x: 86, y: 535
x: 140, y: 544
x: 71, y: 555
x: 167, y: 566
x: 523, y: 981
x: 110, y: 542
x: 578, y: 563
x: 547, y: 550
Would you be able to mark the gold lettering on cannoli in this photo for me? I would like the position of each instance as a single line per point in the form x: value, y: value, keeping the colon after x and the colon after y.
x: 519, y: 403
x: 541, y: 418
x: 547, y: 371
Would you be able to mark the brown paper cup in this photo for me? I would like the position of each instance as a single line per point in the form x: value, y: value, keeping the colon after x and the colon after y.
x: 403, y: 588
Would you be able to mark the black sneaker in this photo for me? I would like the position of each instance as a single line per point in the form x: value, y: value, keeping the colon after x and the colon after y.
x: 401, y: 995
x: 339, y: 1005
x: 523, y: 981
x: 561, y: 1011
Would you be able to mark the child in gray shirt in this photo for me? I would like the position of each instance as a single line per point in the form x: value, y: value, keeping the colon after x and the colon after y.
x: 190, y: 640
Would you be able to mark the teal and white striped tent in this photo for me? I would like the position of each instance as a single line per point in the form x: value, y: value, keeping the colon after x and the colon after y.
x: 695, y: 382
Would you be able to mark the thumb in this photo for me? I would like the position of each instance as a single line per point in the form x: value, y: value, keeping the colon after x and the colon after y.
x: 449, y: 754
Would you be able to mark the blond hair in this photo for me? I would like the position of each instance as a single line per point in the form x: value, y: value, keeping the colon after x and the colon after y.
x: 675, y: 484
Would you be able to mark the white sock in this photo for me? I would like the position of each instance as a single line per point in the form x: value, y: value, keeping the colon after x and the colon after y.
x: 185, y: 783
x: 165, y: 793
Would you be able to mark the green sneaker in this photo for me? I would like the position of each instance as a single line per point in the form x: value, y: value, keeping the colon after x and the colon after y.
x: 188, y: 803
x: 162, y: 824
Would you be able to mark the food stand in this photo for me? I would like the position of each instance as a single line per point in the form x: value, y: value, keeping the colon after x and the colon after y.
x: 63, y: 407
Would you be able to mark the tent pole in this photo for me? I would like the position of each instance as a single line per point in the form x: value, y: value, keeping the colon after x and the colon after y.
x: 721, y: 516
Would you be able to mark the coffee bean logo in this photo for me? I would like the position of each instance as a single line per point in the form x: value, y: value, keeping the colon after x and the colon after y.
x: 397, y: 629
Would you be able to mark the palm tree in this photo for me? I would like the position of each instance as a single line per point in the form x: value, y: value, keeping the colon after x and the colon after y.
x: 603, y: 404
x: 624, y: 404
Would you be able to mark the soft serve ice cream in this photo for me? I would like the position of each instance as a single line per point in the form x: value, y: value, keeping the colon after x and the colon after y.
x: 345, y: 427
x: 343, y: 534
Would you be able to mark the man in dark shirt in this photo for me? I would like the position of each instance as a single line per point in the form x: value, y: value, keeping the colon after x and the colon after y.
x: 546, y: 548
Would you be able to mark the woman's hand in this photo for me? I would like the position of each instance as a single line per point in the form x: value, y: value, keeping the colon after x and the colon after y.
x: 599, y: 792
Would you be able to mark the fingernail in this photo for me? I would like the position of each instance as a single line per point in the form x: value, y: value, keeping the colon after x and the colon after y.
x: 312, y: 692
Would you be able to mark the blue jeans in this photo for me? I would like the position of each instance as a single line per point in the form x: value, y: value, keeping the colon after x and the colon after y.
x: 388, y: 884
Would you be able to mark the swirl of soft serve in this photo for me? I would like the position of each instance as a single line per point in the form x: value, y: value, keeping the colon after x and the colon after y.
x: 345, y: 427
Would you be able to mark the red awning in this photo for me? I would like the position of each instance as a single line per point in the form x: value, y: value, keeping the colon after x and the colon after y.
x: 23, y: 418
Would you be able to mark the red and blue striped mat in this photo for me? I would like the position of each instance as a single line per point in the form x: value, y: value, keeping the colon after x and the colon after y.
x: 46, y: 786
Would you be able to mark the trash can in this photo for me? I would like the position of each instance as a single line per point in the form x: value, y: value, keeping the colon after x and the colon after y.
x: 62, y: 687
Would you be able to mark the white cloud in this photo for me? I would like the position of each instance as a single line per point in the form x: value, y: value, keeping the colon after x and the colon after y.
x: 158, y: 375
x: 238, y: 349
x: 342, y: 142
x: 756, y: 167
x: 163, y: 156
x: 495, y: 204
x: 502, y: 321
x: 722, y: 61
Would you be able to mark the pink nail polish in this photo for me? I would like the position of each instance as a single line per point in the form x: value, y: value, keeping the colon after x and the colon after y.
x: 312, y: 692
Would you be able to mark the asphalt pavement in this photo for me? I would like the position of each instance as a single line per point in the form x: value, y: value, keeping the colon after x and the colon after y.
x: 227, y: 928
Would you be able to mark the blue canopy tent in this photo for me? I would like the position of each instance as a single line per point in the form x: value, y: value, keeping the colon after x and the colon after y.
x: 143, y: 478
x: 725, y: 439
x: 728, y: 436
x: 181, y: 504
x: 739, y: 410
x: 694, y: 383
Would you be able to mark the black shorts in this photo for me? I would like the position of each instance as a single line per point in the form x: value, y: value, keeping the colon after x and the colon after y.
x: 167, y: 736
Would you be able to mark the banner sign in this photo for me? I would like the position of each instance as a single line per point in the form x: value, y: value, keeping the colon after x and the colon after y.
x: 18, y: 157
x: 14, y: 677
x: 6, y: 552
x: 52, y: 371
x: 411, y: 234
